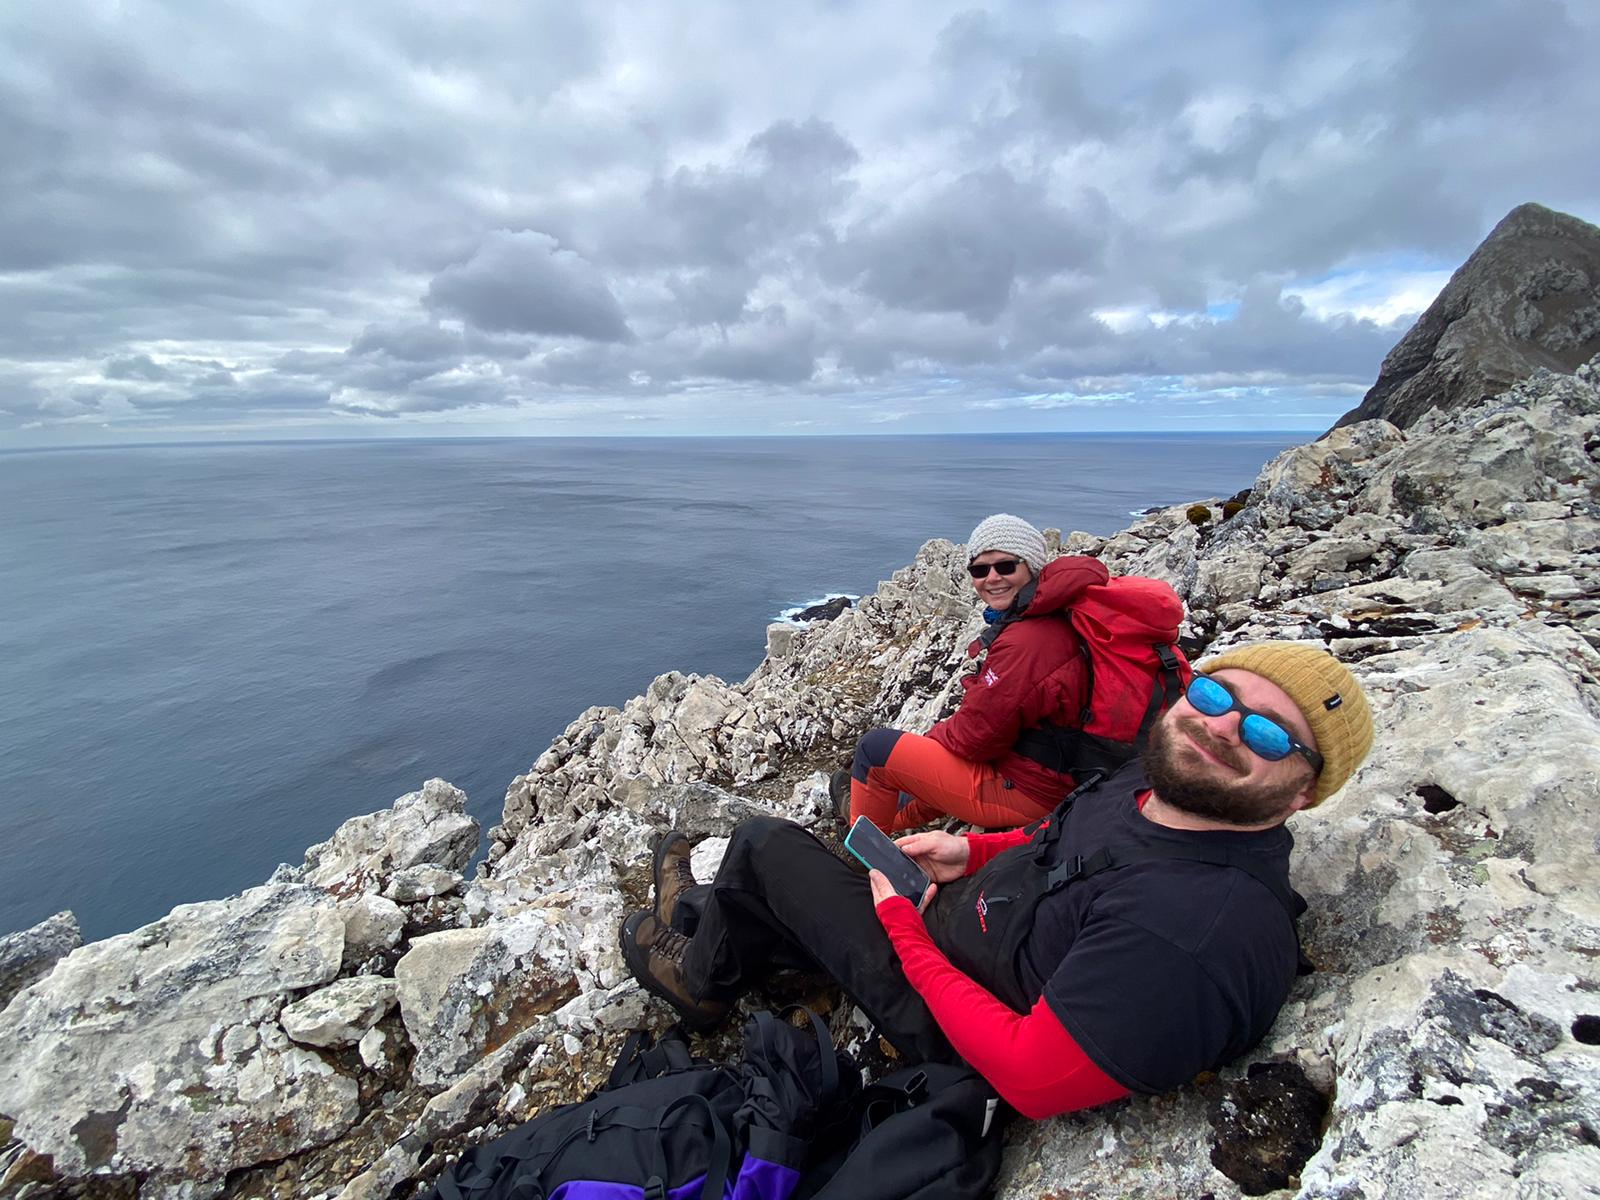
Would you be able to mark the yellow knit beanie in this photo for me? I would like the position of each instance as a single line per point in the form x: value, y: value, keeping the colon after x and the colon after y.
x: 1326, y: 694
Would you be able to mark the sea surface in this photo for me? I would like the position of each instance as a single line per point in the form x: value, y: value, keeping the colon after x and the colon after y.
x: 211, y: 655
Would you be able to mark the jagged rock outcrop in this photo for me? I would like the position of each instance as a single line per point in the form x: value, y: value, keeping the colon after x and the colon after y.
x: 1528, y: 297
x: 423, y: 829
x: 209, y: 1042
x: 29, y: 954
x: 158, y: 1053
x: 1448, y: 1043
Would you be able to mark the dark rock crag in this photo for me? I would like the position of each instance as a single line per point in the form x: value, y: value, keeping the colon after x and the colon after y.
x: 1528, y: 297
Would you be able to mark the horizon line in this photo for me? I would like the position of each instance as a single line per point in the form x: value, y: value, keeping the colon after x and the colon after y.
x: 561, y: 437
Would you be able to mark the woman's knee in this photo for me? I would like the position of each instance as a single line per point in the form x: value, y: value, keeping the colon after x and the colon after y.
x: 873, y: 750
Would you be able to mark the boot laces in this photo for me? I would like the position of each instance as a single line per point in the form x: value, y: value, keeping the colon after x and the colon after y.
x: 669, y: 943
x: 685, y: 873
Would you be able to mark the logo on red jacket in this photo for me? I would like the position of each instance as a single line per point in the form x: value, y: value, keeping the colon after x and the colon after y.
x: 983, y: 913
x: 990, y: 678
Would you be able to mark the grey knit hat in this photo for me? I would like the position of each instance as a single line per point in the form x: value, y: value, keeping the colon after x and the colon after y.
x: 1011, y: 534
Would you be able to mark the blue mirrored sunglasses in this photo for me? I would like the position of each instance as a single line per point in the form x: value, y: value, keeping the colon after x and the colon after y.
x: 1262, y: 734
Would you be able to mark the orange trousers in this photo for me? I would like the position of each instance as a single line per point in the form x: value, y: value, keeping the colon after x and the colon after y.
x: 934, y: 783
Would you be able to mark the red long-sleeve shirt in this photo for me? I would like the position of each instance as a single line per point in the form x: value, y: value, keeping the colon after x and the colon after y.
x: 1031, y: 1059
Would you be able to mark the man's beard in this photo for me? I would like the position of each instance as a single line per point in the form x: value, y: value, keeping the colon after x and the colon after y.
x: 1203, y: 789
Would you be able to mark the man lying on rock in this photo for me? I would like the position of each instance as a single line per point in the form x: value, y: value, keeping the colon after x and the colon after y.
x: 1142, y: 933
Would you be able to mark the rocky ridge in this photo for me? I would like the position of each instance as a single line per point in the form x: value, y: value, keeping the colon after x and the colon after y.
x: 341, y: 1029
x: 1528, y: 297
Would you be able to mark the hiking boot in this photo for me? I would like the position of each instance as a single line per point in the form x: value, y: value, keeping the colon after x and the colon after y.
x: 672, y: 874
x: 654, y: 951
x: 839, y: 793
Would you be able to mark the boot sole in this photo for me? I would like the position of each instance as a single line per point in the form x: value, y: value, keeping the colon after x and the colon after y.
x: 657, y: 864
x: 637, y: 959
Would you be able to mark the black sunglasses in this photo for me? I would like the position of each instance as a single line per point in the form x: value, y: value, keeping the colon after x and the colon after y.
x: 1006, y: 566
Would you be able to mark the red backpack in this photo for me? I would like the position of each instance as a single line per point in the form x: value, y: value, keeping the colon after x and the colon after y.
x: 1127, y: 631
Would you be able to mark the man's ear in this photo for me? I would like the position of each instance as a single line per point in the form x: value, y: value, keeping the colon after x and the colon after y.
x: 1304, y: 800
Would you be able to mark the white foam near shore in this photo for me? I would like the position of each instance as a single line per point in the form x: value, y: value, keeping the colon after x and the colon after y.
x: 789, y: 615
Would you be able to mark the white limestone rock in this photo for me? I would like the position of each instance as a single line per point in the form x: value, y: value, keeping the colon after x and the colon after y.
x: 376, y: 1050
x: 137, y: 1053
x: 781, y: 640
x: 426, y: 826
x: 371, y: 924
x: 341, y: 1013
x: 425, y: 974
x: 465, y: 992
x: 30, y: 954
x: 421, y: 882
x: 707, y: 857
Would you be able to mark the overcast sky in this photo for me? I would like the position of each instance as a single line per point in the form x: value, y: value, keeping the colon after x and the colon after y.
x: 383, y: 217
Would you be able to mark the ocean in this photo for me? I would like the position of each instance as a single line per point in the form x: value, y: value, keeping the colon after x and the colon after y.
x: 211, y: 655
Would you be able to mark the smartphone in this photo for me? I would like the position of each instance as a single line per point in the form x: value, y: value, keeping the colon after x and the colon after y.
x: 873, y: 847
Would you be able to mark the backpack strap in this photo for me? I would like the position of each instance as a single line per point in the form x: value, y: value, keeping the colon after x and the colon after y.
x: 825, y: 1053
x: 1052, y: 824
x: 1082, y: 866
x: 642, y: 1057
x: 717, y: 1165
x: 1070, y: 751
x: 629, y: 1060
x: 1168, y: 687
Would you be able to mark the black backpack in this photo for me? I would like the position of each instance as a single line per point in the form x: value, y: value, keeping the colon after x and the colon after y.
x: 931, y: 1132
x: 665, y: 1121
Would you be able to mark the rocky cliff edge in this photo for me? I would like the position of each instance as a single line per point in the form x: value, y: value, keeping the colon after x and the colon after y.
x: 340, y: 1030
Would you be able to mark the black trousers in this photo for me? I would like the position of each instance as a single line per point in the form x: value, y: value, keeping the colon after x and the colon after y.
x: 781, y: 898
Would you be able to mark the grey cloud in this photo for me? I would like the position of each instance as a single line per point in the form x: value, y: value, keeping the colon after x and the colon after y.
x: 786, y: 182
x: 964, y: 248
x: 524, y: 282
x: 1270, y: 334
x: 1485, y: 52
x: 237, y: 212
x: 712, y: 296
x: 770, y: 349
x: 410, y: 343
x: 892, y: 341
x: 589, y: 367
x: 308, y: 362
x: 1055, y: 81
x: 139, y: 366
x: 438, y: 395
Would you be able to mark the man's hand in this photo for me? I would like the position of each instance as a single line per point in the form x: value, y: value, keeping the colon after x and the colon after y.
x: 883, y: 890
x: 942, y: 855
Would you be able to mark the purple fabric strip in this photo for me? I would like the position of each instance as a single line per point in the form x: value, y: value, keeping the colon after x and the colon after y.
x: 762, y: 1180
x: 758, y: 1179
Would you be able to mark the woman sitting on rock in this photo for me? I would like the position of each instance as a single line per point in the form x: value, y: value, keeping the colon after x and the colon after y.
x: 1034, y: 673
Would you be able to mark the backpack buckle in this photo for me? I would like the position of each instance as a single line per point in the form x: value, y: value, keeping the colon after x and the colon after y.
x: 655, y: 1188
x: 1070, y: 870
x: 916, y: 1089
x: 589, y: 1128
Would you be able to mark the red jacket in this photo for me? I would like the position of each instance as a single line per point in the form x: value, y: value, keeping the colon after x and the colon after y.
x: 1034, y: 671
